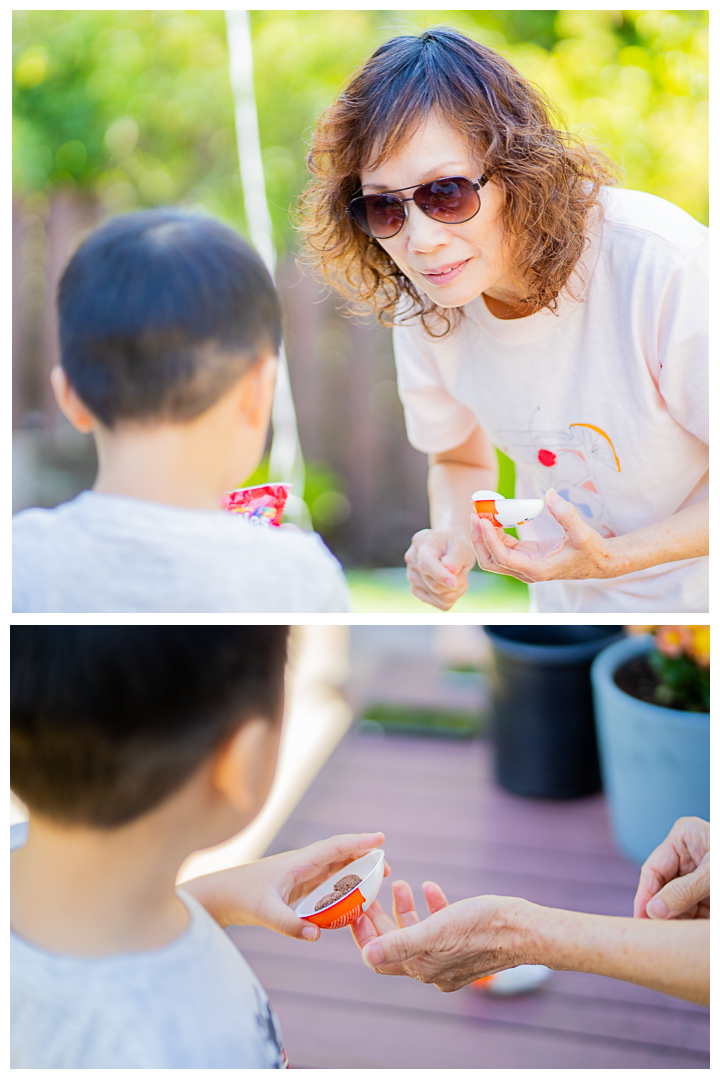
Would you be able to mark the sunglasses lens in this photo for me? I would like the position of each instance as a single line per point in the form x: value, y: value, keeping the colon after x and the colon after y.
x: 381, y: 216
x: 451, y: 200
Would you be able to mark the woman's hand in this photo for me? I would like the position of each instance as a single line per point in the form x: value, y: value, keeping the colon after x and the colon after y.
x: 580, y: 553
x: 583, y: 553
x: 675, y: 879
x: 260, y: 893
x: 455, y: 945
x: 437, y: 567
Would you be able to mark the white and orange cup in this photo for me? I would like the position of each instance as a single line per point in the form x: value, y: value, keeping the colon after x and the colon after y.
x: 370, y: 869
x: 505, y: 513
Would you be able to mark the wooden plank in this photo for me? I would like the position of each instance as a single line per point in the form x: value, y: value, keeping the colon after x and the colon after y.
x: 321, y: 1033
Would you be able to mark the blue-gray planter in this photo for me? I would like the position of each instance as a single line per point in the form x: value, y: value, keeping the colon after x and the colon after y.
x: 655, y: 761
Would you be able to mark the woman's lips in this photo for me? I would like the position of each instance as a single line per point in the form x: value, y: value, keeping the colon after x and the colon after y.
x: 445, y: 273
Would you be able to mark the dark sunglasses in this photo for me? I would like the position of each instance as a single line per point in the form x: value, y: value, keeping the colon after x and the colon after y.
x: 452, y: 200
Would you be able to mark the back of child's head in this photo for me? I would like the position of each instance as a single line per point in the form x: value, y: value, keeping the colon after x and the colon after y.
x: 108, y: 721
x: 160, y: 312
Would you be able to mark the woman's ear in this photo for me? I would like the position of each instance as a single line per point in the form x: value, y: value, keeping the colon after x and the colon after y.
x: 244, y: 765
x: 69, y: 402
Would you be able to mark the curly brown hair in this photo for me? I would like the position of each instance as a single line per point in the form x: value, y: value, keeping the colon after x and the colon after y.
x: 550, y: 179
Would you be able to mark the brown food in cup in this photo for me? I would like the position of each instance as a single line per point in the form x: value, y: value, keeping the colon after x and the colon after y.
x: 327, y: 900
x: 347, y: 884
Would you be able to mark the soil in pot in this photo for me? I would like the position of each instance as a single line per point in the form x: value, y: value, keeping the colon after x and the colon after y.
x: 637, y: 678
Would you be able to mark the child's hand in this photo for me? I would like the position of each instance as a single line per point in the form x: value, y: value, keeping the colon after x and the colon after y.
x: 259, y: 894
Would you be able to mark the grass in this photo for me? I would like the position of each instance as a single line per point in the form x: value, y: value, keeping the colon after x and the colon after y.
x: 399, y: 719
x: 388, y: 590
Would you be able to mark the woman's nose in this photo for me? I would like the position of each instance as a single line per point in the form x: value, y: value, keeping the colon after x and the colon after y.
x: 424, y: 233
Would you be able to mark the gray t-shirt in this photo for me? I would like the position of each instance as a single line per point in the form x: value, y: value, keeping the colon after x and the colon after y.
x: 194, y: 1004
x: 108, y: 553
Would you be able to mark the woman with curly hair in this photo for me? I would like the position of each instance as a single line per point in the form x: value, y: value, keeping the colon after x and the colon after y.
x: 535, y: 308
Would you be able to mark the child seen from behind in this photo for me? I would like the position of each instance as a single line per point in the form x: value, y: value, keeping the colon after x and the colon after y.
x: 169, y: 335
x: 132, y: 747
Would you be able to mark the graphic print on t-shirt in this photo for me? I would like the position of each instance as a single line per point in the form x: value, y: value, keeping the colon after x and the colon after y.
x: 572, y: 461
x: 269, y: 1030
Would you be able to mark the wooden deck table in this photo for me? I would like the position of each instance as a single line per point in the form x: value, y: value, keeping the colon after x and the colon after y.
x: 446, y: 819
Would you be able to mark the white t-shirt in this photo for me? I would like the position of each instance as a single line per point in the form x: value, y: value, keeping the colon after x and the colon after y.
x: 607, y: 401
x: 194, y: 1004
x: 109, y: 553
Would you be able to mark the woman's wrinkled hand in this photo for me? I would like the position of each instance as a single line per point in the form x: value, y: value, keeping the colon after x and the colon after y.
x: 437, y: 567
x: 675, y: 879
x: 455, y: 945
x: 580, y: 553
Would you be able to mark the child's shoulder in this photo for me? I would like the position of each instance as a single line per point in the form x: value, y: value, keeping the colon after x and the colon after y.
x: 192, y: 1004
x: 111, y: 553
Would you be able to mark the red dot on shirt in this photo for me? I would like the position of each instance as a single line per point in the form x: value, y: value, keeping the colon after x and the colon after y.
x: 546, y: 457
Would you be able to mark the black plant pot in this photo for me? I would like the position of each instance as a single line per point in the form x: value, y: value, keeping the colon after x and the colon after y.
x: 543, y: 726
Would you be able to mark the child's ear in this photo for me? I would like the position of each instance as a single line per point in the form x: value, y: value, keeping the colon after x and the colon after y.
x: 68, y: 401
x: 244, y: 766
x: 259, y: 390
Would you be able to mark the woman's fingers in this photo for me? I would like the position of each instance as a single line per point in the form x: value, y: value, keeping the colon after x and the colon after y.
x: 393, y: 948
x: 566, y: 515
x: 434, y: 897
x: 363, y: 931
x: 437, y: 567
x: 419, y: 589
x: 678, y: 857
x: 380, y: 919
x: 682, y: 895
x: 497, y: 557
x: 404, y: 904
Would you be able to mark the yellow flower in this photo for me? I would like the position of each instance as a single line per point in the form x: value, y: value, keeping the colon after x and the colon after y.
x: 700, y: 647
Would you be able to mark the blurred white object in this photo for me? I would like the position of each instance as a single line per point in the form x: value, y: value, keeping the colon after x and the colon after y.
x: 517, y: 980
x: 506, y: 512
x: 286, y: 460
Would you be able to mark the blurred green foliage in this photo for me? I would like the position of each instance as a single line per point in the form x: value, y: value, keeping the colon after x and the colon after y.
x: 135, y: 107
x: 324, y: 493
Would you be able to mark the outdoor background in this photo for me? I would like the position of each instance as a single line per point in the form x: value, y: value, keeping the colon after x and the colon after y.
x: 116, y: 110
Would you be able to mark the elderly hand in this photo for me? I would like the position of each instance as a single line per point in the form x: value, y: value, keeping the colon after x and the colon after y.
x: 260, y: 893
x: 675, y: 879
x: 455, y: 945
x: 580, y: 553
x: 437, y: 567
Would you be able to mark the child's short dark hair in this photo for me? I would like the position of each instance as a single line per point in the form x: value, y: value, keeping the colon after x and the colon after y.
x: 160, y: 313
x: 108, y: 721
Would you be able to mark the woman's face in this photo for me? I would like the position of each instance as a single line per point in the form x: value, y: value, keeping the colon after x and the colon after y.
x: 451, y: 264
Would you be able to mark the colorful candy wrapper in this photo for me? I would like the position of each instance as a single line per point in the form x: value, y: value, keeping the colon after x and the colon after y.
x: 262, y: 504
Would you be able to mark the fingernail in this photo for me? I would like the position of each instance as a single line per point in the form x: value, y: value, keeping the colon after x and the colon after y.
x: 656, y: 909
x: 551, y: 496
x: 373, y: 955
x: 310, y: 933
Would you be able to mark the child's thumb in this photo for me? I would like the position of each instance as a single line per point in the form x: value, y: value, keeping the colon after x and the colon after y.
x: 283, y: 920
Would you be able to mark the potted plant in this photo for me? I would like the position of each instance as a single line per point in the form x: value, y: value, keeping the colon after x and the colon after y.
x: 652, y: 700
x: 542, y: 710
